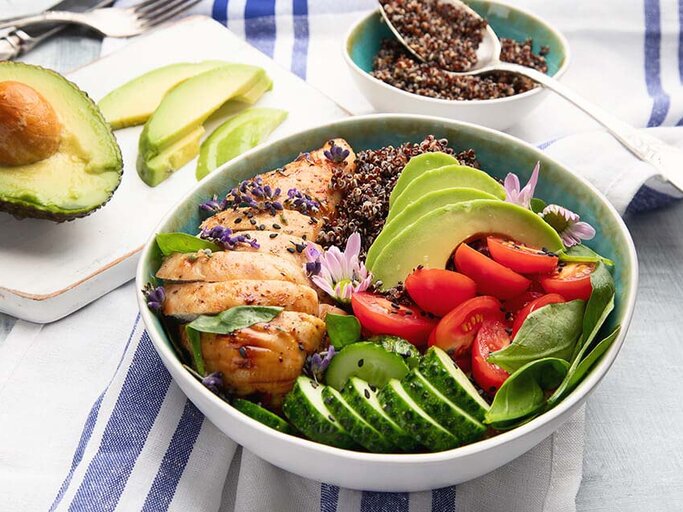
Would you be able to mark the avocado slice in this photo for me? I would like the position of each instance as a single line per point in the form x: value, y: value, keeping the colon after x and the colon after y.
x: 82, y: 174
x: 178, y: 154
x: 416, y: 166
x: 185, y: 108
x: 448, y: 176
x: 430, y: 240
x: 261, y: 87
x: 237, y: 135
x: 133, y: 102
x: 419, y: 208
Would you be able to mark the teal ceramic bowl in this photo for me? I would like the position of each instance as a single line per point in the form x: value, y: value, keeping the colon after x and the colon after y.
x: 499, y: 154
x: 363, y: 40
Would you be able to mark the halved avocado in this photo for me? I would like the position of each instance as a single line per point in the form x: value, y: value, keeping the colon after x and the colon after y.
x: 83, y: 172
x: 430, y: 240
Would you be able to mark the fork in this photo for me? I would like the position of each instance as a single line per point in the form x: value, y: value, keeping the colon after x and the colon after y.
x: 111, y: 21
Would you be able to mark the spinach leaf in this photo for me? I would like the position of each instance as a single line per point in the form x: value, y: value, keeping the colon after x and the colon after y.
x: 182, y: 242
x: 537, y: 205
x: 196, y: 345
x: 522, y: 395
x: 551, y: 331
x: 582, y: 254
x: 600, y: 304
x: 581, y: 366
x: 342, y: 329
x: 234, y: 319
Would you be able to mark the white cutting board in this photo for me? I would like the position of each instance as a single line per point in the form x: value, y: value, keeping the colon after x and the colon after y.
x: 49, y: 270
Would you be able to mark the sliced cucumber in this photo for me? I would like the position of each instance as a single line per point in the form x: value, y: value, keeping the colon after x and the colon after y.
x: 463, y: 426
x: 360, y: 430
x: 400, y: 406
x: 305, y: 409
x: 405, y: 349
x: 363, y: 399
x: 367, y: 360
x: 262, y: 415
x: 442, y: 373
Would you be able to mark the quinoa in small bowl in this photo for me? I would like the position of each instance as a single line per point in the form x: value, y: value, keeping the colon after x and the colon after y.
x: 394, y: 80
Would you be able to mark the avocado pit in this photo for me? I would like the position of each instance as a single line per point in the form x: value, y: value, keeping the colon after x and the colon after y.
x: 30, y: 130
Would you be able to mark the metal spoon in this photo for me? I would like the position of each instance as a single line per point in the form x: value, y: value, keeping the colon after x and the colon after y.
x: 667, y: 159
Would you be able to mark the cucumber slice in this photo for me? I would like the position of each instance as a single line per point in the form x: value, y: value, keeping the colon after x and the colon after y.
x: 463, y: 426
x: 305, y: 409
x: 404, y: 410
x: 360, y: 430
x: 405, y: 349
x: 367, y: 360
x: 363, y: 399
x: 262, y: 415
x: 442, y: 373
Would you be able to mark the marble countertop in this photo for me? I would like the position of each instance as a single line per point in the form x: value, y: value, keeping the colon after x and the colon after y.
x: 634, y: 440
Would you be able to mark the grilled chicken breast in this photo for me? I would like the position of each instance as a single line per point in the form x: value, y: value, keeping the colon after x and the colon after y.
x: 290, y: 222
x: 265, y: 358
x: 187, y: 300
x: 311, y: 173
x: 229, y: 265
x: 277, y: 243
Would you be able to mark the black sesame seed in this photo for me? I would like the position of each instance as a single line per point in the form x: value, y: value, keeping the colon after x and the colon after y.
x: 272, y: 235
x: 243, y: 351
x: 366, y: 393
x: 361, y: 362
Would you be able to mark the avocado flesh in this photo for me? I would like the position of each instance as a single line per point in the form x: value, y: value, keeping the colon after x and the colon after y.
x: 261, y: 87
x: 85, y: 171
x: 448, y: 176
x: 416, y: 166
x: 430, y: 240
x: 132, y: 103
x: 162, y: 166
x: 186, y: 107
x: 417, y: 209
x: 237, y: 135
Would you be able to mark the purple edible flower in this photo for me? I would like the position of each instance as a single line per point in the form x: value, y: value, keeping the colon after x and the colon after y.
x: 317, y: 363
x: 568, y: 224
x: 213, y: 205
x: 338, y: 274
x: 225, y: 238
x: 214, y: 381
x: 522, y: 197
x: 155, y: 296
x: 301, y: 202
x: 336, y: 154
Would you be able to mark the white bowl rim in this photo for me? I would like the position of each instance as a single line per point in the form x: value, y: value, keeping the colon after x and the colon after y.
x: 461, y: 103
x: 580, y: 393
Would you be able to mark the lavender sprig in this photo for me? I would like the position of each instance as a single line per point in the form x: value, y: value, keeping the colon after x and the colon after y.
x: 317, y: 363
x: 336, y: 154
x: 213, y: 205
x: 214, y: 382
x: 225, y: 238
x: 155, y: 296
x: 301, y: 202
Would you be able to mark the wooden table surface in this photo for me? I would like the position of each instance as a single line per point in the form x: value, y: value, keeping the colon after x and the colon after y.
x: 634, y: 435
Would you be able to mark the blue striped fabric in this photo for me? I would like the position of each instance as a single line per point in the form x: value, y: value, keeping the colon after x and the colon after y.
x: 653, y: 79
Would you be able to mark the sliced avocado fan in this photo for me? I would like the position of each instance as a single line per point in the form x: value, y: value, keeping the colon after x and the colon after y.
x: 86, y: 168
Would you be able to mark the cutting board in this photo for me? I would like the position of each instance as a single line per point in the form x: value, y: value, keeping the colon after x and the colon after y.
x: 49, y: 270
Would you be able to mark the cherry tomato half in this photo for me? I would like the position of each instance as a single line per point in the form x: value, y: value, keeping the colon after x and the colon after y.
x: 551, y: 298
x: 492, y: 278
x: 439, y: 291
x: 463, y: 361
x: 378, y: 316
x: 521, y: 258
x: 514, y: 304
x: 572, y: 281
x: 492, y: 336
x: 456, y: 331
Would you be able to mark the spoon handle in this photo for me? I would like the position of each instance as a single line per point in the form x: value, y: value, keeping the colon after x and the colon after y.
x: 664, y: 157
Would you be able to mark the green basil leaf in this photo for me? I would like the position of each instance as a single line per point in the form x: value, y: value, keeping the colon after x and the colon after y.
x: 342, y: 329
x: 582, y: 365
x: 551, y: 331
x: 397, y: 345
x: 522, y: 395
x: 582, y: 254
x: 537, y: 205
x: 170, y: 243
x: 234, y: 319
x: 196, y: 345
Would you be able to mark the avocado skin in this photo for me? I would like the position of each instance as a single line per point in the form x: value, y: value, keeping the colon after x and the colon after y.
x: 23, y: 209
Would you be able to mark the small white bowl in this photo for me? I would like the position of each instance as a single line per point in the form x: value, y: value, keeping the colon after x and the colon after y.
x: 362, y: 43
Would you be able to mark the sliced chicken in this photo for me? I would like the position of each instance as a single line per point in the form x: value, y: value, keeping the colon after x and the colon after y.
x: 229, y: 265
x: 324, y: 309
x: 280, y: 244
x: 187, y: 300
x: 311, y: 174
x: 265, y: 358
x: 289, y: 222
